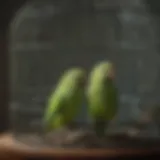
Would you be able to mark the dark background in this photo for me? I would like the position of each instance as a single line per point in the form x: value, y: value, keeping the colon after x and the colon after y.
x: 7, y: 10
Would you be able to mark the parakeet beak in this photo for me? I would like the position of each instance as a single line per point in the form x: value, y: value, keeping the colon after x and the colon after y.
x: 111, y: 74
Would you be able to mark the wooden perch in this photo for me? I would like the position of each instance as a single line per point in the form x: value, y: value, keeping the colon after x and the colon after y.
x: 11, y: 148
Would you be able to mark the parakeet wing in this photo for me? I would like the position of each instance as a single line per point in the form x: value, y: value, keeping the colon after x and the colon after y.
x: 55, y: 106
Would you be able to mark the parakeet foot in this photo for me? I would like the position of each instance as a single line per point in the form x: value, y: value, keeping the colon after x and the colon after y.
x: 99, y: 128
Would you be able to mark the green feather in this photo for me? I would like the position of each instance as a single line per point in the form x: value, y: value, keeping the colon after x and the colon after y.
x: 65, y: 102
x: 102, y: 95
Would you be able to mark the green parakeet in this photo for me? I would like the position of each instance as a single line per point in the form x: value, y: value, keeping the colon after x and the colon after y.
x: 102, y: 96
x: 65, y: 102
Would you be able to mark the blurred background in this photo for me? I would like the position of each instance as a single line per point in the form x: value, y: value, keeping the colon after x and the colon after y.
x: 8, y: 9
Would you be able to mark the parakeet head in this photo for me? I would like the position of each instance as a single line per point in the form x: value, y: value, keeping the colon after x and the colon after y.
x: 108, y: 69
x: 105, y: 70
x: 77, y: 76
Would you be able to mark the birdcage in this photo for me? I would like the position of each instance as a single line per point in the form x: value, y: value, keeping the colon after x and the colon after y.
x: 49, y: 37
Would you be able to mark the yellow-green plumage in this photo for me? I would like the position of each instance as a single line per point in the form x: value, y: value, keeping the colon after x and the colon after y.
x: 102, y: 96
x: 65, y: 102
